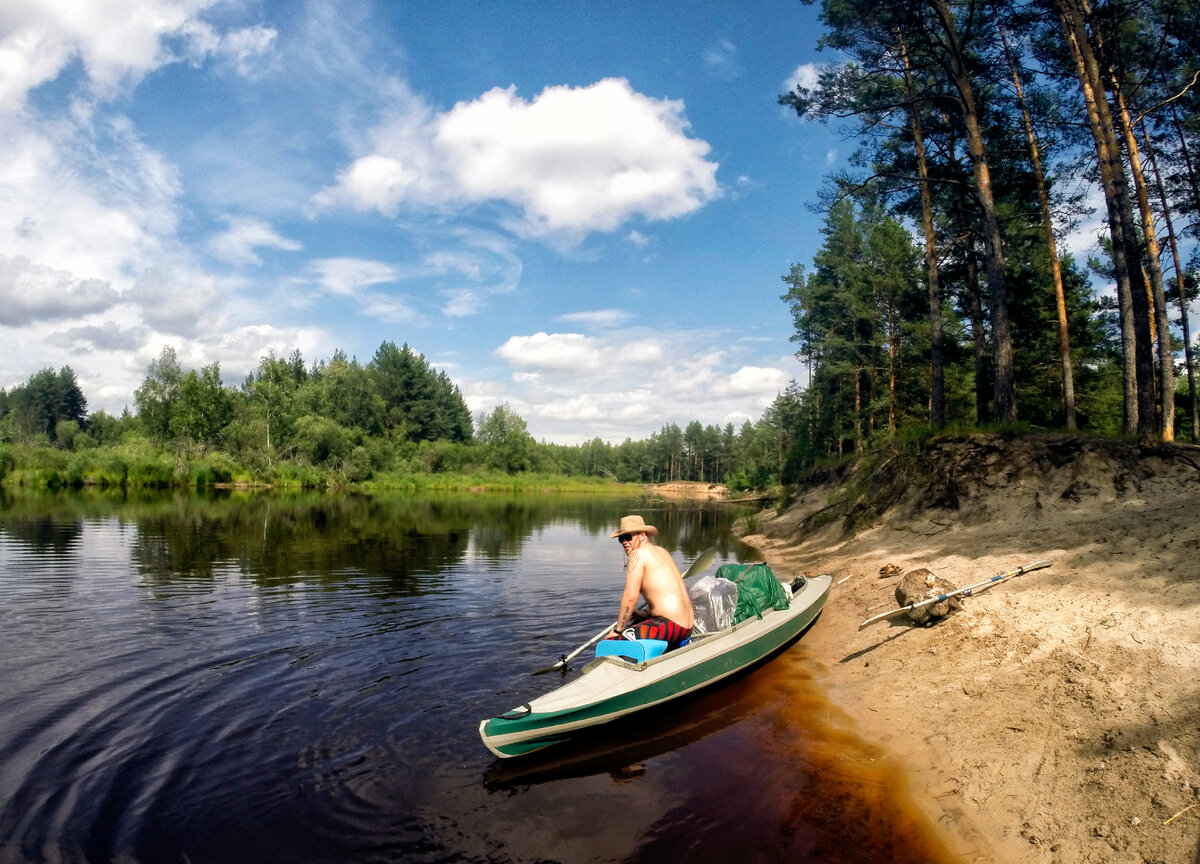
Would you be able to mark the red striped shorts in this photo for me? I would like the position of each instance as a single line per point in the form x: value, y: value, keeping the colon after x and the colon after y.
x: 657, y: 628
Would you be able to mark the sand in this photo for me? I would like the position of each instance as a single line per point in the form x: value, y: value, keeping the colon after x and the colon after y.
x: 1056, y: 716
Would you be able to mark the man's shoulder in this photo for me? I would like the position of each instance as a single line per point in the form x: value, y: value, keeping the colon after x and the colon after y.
x: 664, y: 557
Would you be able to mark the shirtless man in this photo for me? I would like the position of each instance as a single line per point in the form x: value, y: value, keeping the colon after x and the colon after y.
x: 651, y: 573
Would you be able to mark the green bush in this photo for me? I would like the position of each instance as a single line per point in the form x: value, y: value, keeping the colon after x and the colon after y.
x: 113, y: 470
x: 290, y: 474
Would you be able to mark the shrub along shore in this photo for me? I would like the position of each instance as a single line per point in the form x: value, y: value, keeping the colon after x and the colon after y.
x: 134, y: 466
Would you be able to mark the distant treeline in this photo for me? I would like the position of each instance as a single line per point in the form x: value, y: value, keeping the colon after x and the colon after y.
x: 337, y: 421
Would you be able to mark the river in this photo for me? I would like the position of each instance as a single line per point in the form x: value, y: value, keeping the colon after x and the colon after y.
x: 267, y: 678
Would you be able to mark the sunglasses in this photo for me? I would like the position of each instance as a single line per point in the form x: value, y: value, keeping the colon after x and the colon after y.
x: 624, y: 538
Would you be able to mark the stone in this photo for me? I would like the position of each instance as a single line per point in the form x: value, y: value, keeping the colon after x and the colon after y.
x: 922, y: 584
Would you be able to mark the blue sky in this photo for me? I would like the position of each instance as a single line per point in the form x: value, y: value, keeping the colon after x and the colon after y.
x: 582, y: 210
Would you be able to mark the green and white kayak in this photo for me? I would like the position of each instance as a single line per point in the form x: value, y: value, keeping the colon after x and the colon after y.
x: 612, y: 687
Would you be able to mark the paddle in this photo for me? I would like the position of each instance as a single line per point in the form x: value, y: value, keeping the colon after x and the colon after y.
x: 965, y: 592
x: 702, y: 563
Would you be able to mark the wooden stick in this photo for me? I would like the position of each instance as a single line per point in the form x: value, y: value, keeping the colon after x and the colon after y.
x: 1181, y: 812
x: 965, y: 592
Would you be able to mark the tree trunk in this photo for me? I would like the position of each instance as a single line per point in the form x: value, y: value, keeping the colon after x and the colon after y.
x: 1004, y: 404
x: 858, y: 425
x: 1166, y: 357
x: 1131, y: 293
x: 974, y: 302
x: 1064, y: 339
x: 937, y: 376
x: 1183, y: 310
x: 893, y: 353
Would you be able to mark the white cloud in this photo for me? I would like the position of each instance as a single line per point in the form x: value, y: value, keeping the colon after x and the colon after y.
x: 238, y: 242
x: 461, y: 303
x: 347, y: 277
x: 180, y: 303
x: 240, y: 48
x: 805, y: 75
x: 557, y: 352
x: 34, y: 292
x: 483, y: 260
x: 117, y: 42
x: 388, y: 309
x: 601, y: 318
x: 571, y: 388
x: 572, y: 161
x: 106, y: 336
x: 355, y: 279
x: 29, y: 57
x: 471, y: 268
x: 240, y: 349
x: 750, y: 380
x: 722, y: 60
x: 91, y: 200
x: 374, y: 183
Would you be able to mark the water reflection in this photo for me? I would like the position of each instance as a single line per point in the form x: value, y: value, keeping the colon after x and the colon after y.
x: 279, y: 539
x: 44, y: 534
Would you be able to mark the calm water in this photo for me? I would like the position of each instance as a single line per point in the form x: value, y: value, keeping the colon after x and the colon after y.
x: 273, y: 679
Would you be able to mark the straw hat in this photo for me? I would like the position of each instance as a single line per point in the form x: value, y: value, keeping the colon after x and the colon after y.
x: 634, y: 525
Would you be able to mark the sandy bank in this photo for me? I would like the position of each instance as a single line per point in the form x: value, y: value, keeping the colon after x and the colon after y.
x: 686, y: 490
x: 1056, y: 718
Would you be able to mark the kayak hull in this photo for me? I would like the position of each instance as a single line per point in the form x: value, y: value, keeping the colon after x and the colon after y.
x: 612, y: 687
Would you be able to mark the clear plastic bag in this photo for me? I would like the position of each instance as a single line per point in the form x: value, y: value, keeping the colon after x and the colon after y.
x: 714, y: 602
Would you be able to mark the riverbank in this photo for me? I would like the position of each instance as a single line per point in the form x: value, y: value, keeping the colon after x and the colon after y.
x: 1054, y: 719
x: 141, y: 466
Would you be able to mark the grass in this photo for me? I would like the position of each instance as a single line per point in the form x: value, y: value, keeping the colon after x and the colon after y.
x: 418, y: 483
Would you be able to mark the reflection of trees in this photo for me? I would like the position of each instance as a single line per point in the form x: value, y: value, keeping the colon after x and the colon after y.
x: 44, y: 534
x: 277, y: 541
x: 397, y: 541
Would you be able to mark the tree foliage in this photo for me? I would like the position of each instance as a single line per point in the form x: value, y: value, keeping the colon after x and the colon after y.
x: 34, y: 410
x: 967, y: 116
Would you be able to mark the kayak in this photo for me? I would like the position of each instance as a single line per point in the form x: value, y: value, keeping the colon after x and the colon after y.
x: 611, y: 686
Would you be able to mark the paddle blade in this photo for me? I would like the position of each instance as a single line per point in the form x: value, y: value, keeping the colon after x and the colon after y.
x: 560, y: 666
x: 703, y: 561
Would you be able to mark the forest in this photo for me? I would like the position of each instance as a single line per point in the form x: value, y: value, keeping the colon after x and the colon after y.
x: 335, y: 422
x: 986, y: 133
x: 980, y: 129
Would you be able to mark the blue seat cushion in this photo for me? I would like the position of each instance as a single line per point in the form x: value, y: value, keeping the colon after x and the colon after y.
x: 637, y: 650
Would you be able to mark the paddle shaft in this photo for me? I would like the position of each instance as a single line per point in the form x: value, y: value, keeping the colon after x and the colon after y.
x: 702, y: 562
x: 963, y: 592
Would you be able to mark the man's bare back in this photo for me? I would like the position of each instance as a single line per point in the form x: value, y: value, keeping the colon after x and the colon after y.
x: 651, y: 573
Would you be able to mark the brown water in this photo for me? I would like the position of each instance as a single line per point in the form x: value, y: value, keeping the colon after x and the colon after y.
x: 301, y: 679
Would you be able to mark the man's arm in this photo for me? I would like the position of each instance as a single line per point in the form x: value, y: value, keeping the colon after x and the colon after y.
x: 634, y: 571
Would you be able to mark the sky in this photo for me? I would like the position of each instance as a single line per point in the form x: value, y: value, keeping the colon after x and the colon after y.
x: 583, y: 211
x: 580, y: 210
